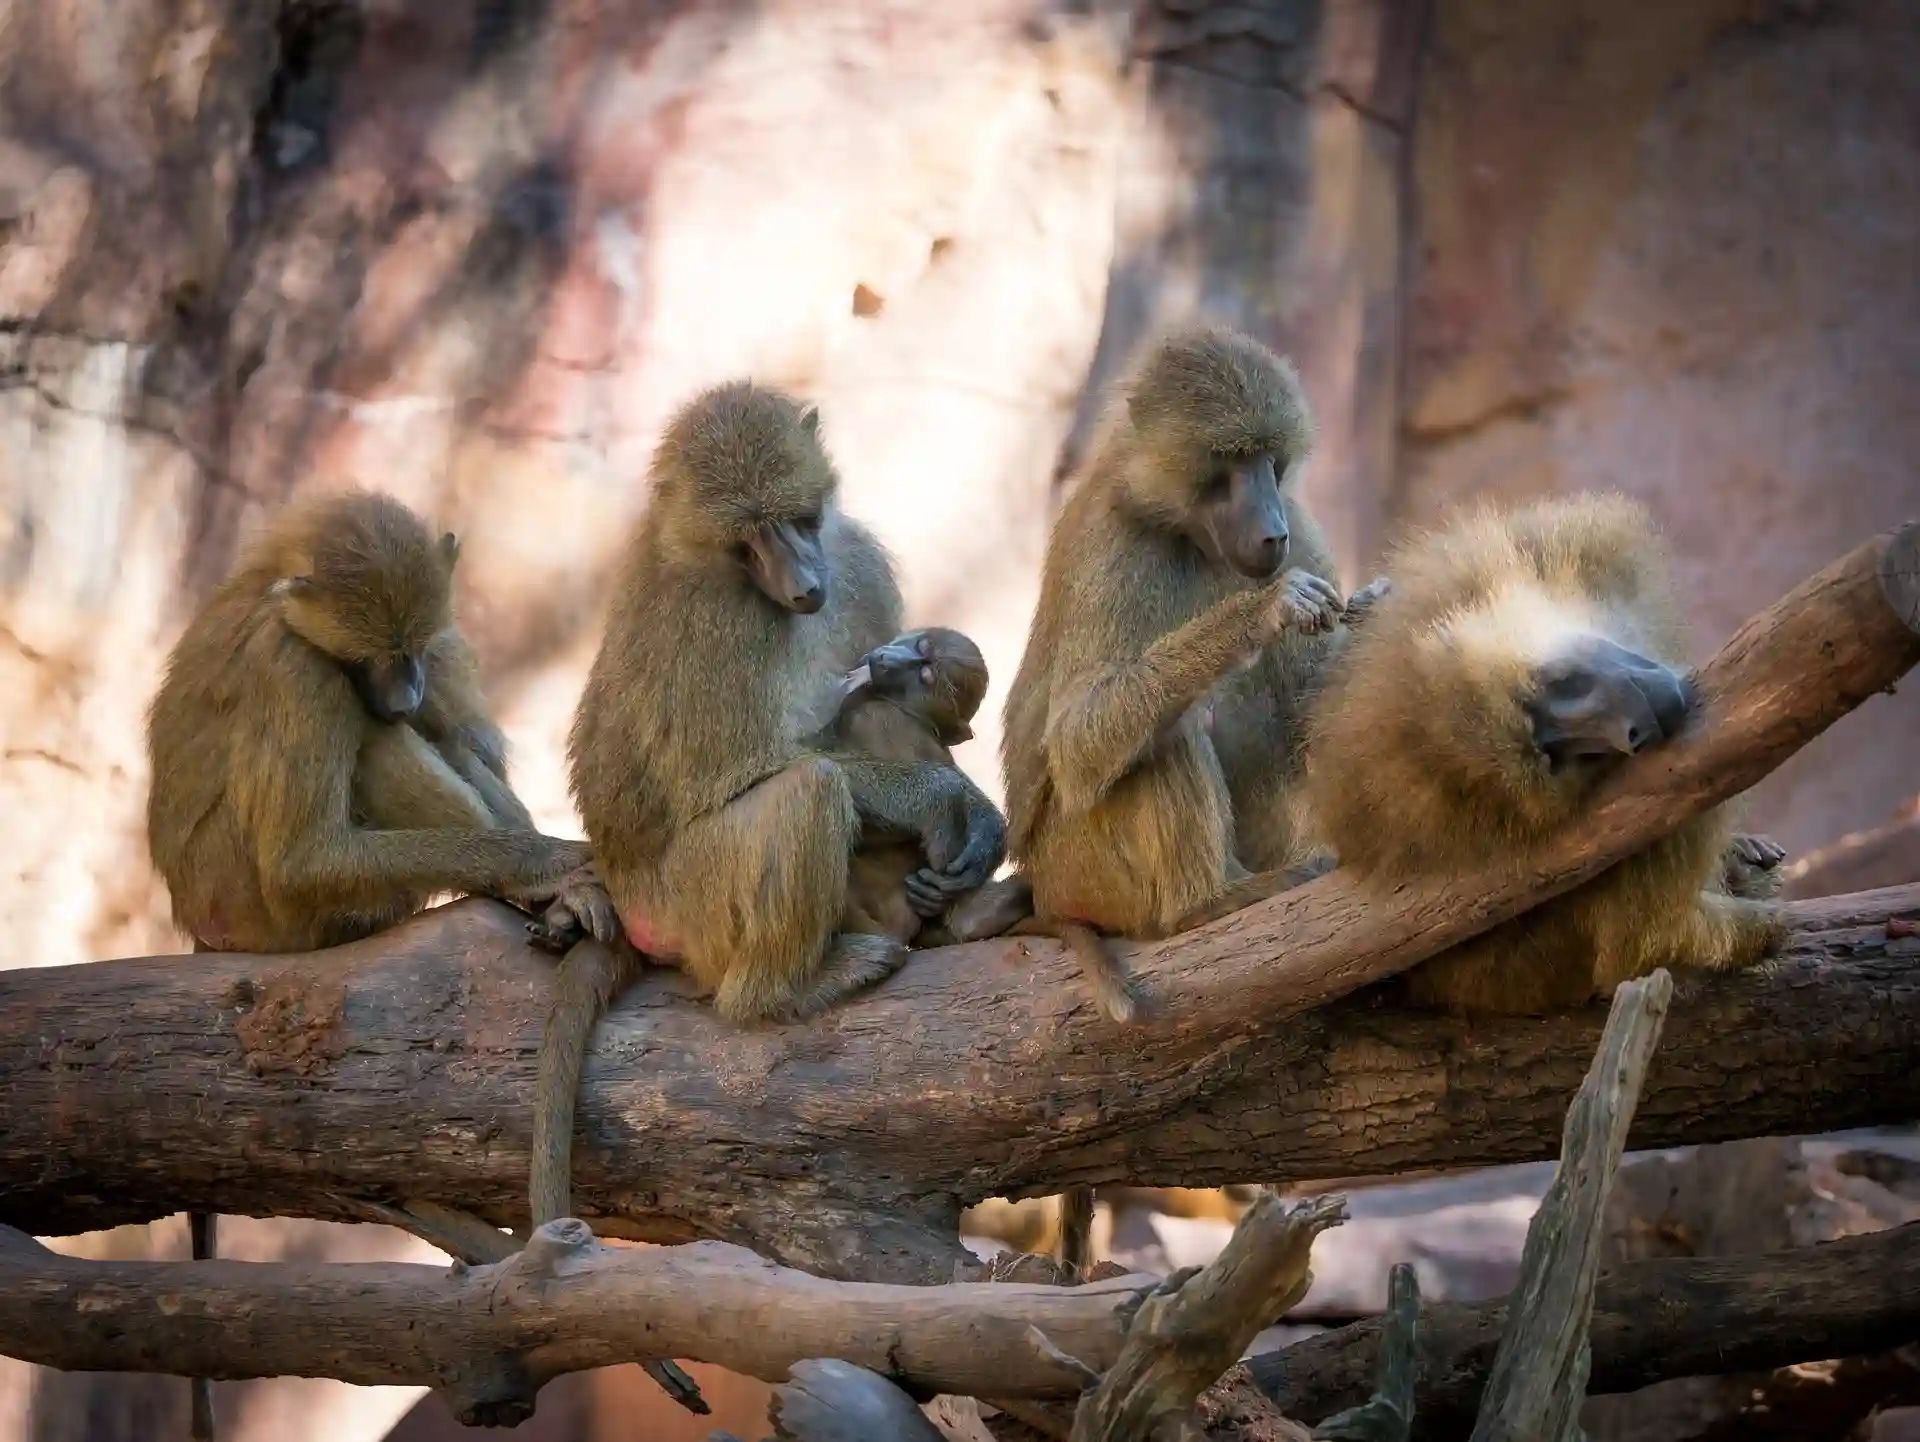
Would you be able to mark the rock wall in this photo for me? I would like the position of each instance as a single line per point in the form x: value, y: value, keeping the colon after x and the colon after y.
x: 474, y: 251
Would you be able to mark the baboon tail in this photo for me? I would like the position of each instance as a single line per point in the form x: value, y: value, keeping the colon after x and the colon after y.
x: 1105, y: 974
x: 585, y: 983
x: 200, y: 1227
x: 1076, y: 1231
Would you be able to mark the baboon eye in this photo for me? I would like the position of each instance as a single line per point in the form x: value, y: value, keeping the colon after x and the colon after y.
x: 1218, y: 479
x: 809, y: 524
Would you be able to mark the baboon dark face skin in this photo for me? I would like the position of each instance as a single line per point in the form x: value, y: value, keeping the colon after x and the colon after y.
x: 787, y: 561
x: 390, y: 687
x: 1599, y: 703
x: 1239, y: 521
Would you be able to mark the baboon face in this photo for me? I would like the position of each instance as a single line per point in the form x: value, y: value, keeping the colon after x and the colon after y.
x: 1599, y: 703
x: 937, y: 674
x: 787, y: 561
x: 1238, y: 519
x: 373, y: 600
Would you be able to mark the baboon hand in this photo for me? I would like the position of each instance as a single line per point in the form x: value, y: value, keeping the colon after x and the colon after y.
x: 581, y: 907
x: 948, y: 876
x: 1361, y: 603
x: 1300, y: 601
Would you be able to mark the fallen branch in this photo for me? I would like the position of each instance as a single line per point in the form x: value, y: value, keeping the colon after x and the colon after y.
x: 126, y: 1092
x: 1539, y: 1375
x: 1652, y: 1321
x: 1884, y: 855
x: 1199, y: 1321
x: 490, y: 1337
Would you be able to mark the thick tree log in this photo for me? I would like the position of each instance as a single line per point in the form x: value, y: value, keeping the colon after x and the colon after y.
x: 244, y: 1084
x: 489, y: 1337
x: 403, y: 1067
x: 1652, y: 1321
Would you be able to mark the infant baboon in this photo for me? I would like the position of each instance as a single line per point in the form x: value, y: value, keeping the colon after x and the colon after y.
x: 1519, y: 661
x: 322, y: 762
x: 911, y: 701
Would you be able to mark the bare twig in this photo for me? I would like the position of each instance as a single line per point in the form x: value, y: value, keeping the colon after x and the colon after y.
x: 1539, y: 1377
x: 1387, y: 1416
x: 1198, y: 1322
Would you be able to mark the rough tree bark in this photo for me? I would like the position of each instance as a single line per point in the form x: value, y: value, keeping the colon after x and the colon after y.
x: 1652, y: 1320
x: 242, y: 1084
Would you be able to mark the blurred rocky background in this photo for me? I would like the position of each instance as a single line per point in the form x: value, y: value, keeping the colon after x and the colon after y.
x: 474, y: 251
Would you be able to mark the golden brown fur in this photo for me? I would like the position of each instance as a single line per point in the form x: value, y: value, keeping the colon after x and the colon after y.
x: 912, y: 701
x: 283, y: 814
x: 1426, y: 757
x: 1150, y: 740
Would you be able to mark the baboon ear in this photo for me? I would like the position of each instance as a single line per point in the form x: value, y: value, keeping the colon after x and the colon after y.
x: 450, y: 549
x: 292, y: 586
x: 810, y: 420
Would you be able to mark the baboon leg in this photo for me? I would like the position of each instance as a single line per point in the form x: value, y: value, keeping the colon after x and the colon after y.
x: 1730, y: 932
x: 1076, y: 1231
x: 759, y: 888
x: 202, y: 1230
x: 402, y: 783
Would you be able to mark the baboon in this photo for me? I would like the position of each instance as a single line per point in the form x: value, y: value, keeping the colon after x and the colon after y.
x: 698, y: 753
x: 322, y: 763
x: 1187, y: 604
x: 1520, y: 660
x: 912, y: 700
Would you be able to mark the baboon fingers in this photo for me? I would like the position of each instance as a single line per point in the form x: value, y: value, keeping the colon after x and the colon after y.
x: 1361, y: 603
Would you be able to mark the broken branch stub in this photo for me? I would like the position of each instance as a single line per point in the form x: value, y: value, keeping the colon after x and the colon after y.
x: 1539, y: 1376
x: 1196, y: 1324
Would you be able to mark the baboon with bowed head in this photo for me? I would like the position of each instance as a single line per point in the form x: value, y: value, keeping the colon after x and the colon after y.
x: 1519, y: 661
x: 722, y: 827
x: 322, y: 760
x: 912, y: 700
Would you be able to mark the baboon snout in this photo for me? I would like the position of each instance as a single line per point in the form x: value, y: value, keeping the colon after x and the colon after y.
x: 1254, y: 531
x: 790, y: 566
x: 392, y: 687
x: 1601, y: 700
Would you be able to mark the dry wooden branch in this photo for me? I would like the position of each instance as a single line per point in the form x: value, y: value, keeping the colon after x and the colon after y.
x: 1387, y: 1416
x: 1652, y: 1321
x: 1199, y: 1322
x: 241, y: 1084
x: 1884, y: 855
x: 126, y: 1093
x: 490, y: 1336
x: 1539, y: 1375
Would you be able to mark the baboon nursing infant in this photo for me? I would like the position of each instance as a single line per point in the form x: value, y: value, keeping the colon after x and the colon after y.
x: 1518, y: 661
x: 700, y: 751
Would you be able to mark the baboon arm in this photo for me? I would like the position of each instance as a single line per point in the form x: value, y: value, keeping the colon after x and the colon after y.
x: 294, y: 796
x: 454, y: 717
x: 1107, y: 726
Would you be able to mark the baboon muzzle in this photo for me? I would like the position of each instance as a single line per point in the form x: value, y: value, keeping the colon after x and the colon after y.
x: 1599, y: 700
x: 789, y: 565
x: 392, y: 687
x: 1250, y: 526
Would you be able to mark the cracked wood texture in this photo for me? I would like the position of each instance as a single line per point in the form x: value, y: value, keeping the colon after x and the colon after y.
x: 244, y: 1084
x: 403, y: 1066
x: 1652, y: 1321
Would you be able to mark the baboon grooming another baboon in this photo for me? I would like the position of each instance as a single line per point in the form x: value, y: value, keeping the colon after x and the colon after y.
x: 322, y: 761
x: 1185, y: 610
x: 698, y: 754
x: 912, y: 700
x: 1519, y: 660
